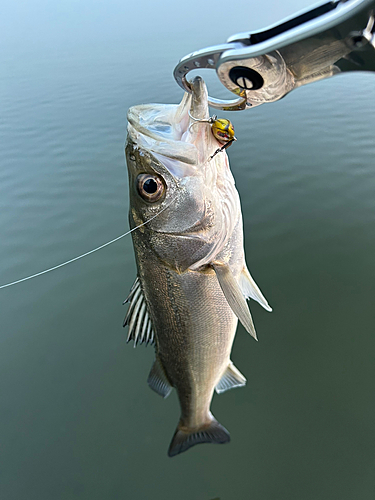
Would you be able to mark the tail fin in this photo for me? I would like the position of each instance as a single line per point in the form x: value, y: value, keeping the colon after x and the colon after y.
x: 183, y: 439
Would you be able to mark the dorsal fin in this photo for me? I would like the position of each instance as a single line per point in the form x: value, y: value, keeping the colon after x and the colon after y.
x: 133, y: 289
x: 137, y: 317
x: 158, y: 380
x: 234, y: 296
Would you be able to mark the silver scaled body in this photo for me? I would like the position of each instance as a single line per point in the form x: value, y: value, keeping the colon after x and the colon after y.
x: 192, y: 281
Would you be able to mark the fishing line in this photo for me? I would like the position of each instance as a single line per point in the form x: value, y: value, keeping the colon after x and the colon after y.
x: 87, y: 253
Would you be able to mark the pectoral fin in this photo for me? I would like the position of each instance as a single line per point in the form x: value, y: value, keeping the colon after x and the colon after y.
x: 234, y: 296
x: 251, y: 290
x: 158, y: 380
x: 232, y: 378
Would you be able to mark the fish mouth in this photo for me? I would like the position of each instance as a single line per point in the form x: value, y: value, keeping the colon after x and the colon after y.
x: 175, y: 132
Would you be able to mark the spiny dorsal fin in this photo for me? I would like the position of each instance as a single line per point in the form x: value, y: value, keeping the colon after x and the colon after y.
x: 158, y: 380
x: 136, y: 284
x: 251, y: 290
x: 137, y: 317
x: 234, y: 296
x: 231, y: 378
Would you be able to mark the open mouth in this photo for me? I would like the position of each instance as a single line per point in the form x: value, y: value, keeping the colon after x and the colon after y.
x: 178, y: 132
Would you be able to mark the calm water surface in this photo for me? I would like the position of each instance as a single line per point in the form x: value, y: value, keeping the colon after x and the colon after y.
x: 77, y: 420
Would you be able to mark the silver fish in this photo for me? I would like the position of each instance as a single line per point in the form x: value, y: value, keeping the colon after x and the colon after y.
x: 192, y: 281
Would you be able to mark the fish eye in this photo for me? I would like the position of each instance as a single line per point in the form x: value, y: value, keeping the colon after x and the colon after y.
x: 150, y: 187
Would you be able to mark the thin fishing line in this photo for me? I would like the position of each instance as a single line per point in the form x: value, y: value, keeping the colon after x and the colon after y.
x: 87, y: 253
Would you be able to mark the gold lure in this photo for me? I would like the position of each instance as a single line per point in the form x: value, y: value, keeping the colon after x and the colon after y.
x: 222, y: 129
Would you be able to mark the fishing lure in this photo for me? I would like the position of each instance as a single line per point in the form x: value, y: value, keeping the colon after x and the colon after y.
x: 221, y: 128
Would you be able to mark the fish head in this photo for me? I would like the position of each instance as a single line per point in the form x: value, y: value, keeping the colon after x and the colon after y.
x: 182, y: 199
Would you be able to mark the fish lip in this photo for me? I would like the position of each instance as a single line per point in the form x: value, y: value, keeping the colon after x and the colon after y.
x: 199, y: 109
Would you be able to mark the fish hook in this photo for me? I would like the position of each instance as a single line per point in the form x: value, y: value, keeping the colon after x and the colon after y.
x: 210, y: 120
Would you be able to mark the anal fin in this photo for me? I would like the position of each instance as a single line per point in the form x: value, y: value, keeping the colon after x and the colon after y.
x: 234, y: 296
x: 158, y: 380
x: 231, y: 378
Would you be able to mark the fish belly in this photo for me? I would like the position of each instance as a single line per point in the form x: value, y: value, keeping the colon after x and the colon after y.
x: 195, y: 329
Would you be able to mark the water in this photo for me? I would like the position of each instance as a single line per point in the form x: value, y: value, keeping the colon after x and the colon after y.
x: 77, y: 420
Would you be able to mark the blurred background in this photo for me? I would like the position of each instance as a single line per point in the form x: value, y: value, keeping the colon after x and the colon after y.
x: 77, y: 419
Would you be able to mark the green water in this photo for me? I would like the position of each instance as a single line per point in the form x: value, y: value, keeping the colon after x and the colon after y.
x: 77, y: 419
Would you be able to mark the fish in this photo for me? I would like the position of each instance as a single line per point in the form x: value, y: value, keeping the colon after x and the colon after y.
x: 192, y: 279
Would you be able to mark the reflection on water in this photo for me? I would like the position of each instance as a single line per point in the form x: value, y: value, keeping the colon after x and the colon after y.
x: 77, y: 419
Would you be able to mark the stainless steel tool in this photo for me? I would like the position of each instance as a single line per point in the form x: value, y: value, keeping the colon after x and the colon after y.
x: 263, y: 66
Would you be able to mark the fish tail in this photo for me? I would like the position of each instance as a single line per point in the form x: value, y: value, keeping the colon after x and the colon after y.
x: 184, y: 438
